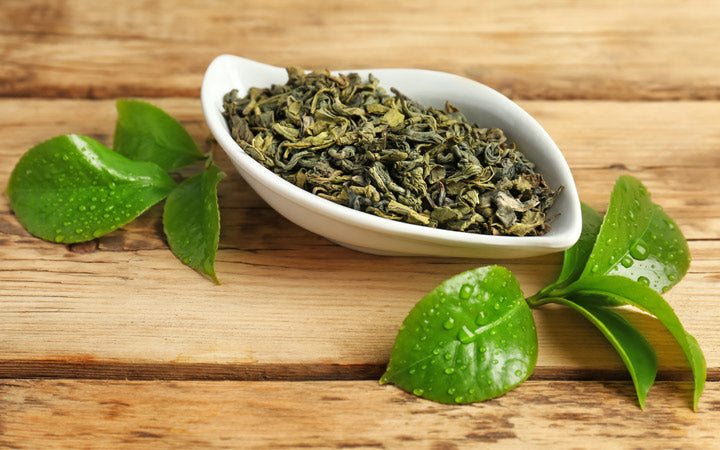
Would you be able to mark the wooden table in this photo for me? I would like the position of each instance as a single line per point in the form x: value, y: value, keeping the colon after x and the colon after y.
x: 116, y: 343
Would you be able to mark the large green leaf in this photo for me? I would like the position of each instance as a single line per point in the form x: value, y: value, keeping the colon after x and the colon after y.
x: 641, y: 296
x: 147, y: 133
x: 638, y: 240
x: 472, y: 338
x: 73, y: 189
x: 192, y: 221
x: 635, y: 351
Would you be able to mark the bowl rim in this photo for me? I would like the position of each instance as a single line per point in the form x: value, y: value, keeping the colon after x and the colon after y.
x: 554, y: 240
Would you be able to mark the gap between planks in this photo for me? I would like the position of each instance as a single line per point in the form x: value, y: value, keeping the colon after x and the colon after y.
x: 109, y: 370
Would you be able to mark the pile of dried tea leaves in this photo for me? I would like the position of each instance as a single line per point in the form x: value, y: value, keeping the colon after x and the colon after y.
x: 353, y: 143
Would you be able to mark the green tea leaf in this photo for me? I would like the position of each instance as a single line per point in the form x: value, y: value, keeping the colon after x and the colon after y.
x: 635, y: 351
x: 638, y: 240
x: 73, y: 189
x: 472, y: 338
x: 576, y: 256
x: 192, y: 221
x: 643, y: 297
x: 147, y: 133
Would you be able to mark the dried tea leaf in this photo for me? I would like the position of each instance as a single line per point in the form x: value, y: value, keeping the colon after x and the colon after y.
x: 349, y: 141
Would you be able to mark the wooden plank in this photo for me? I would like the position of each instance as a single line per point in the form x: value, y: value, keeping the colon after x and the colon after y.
x: 126, y: 308
x: 525, y: 48
x: 330, y: 415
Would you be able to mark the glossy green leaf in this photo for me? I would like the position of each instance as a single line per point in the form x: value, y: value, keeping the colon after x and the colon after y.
x: 643, y: 297
x: 575, y: 257
x: 73, y: 189
x: 147, y: 133
x: 192, y: 221
x: 638, y: 240
x: 635, y: 351
x: 472, y: 338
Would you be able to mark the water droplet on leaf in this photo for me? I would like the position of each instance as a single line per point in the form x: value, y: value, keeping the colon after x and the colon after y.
x: 640, y: 250
x: 627, y: 261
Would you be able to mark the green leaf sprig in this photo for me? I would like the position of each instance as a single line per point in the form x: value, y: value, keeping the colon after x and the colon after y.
x: 472, y: 338
x: 72, y: 188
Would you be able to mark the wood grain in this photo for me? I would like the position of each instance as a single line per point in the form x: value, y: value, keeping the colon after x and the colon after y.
x: 352, y: 414
x: 90, y: 311
x: 531, y: 49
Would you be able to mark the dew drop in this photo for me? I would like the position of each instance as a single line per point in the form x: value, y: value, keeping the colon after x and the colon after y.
x: 495, y: 361
x: 418, y: 391
x: 449, y: 371
x: 670, y: 225
x: 82, y: 207
x: 448, y: 356
x: 640, y: 250
x: 465, y: 291
x: 411, y: 371
x: 451, y: 391
x: 458, y: 399
x: 672, y: 277
x: 496, y: 306
x: 644, y: 280
x: 518, y: 373
x: 665, y: 288
x: 436, y: 351
x: 59, y: 238
x: 78, y: 230
x: 97, y: 233
x: 627, y: 261
x: 448, y: 324
x: 595, y: 268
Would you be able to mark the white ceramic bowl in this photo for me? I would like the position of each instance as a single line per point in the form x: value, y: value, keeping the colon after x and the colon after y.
x: 372, y: 234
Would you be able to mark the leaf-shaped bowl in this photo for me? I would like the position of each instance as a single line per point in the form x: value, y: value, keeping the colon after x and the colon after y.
x: 372, y: 234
